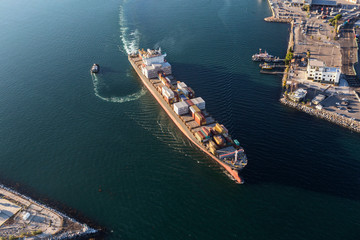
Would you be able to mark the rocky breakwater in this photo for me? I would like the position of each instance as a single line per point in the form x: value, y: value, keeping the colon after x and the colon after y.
x: 35, y: 220
x: 324, y: 114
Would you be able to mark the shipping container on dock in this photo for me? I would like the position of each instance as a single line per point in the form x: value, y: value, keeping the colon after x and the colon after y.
x: 199, y: 102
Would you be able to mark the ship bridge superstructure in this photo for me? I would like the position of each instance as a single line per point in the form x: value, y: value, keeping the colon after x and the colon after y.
x: 153, y: 63
x: 152, y: 56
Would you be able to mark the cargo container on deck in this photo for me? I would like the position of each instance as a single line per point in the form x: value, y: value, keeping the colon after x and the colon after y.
x: 193, y: 109
x: 181, y: 85
x: 200, y: 136
x: 219, y: 128
x: 189, y: 102
x: 191, y: 92
x: 199, y: 102
x: 167, y: 92
x: 219, y: 140
x: 181, y: 108
x: 199, y: 118
x: 206, y: 131
x: 213, y: 144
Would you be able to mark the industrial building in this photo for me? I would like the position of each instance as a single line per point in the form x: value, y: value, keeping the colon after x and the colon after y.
x: 317, y: 71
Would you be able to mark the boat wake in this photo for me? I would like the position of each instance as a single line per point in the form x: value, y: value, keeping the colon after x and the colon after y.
x: 130, y: 39
x: 130, y: 43
x: 128, y: 98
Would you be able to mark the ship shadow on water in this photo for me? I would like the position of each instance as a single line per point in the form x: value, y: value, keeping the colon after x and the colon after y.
x: 282, y: 144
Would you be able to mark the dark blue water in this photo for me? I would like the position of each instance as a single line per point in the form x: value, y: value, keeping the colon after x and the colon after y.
x: 66, y: 134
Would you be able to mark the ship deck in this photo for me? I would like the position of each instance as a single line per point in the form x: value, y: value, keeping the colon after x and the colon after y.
x: 151, y: 86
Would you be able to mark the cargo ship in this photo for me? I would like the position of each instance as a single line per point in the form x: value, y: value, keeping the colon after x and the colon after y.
x: 187, y: 111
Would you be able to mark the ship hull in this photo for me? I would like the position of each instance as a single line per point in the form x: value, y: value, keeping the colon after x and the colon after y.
x: 178, y: 122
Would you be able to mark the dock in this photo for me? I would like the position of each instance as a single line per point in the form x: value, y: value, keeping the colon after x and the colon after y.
x: 272, y: 72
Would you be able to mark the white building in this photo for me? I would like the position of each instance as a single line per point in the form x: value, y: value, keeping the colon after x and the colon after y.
x: 353, y: 1
x: 298, y: 95
x: 317, y: 71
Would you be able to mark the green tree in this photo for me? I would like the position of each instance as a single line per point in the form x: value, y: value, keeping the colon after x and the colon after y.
x: 288, y: 57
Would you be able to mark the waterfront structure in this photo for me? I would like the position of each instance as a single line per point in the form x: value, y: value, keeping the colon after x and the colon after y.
x: 187, y: 112
x: 317, y: 71
x: 319, y: 98
x: 298, y: 95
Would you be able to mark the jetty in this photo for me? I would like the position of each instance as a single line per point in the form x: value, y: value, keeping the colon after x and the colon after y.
x: 22, y: 217
x: 278, y: 20
x: 272, y: 72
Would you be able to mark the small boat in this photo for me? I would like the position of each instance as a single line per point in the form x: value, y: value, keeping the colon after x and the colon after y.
x: 95, y: 68
x: 266, y: 66
x: 264, y: 57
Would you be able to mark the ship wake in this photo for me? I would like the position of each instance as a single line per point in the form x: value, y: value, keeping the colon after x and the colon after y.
x: 130, y: 43
x: 130, y: 38
x: 131, y: 97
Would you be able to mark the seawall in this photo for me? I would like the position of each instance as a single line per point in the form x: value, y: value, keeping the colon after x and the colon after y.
x: 324, y: 114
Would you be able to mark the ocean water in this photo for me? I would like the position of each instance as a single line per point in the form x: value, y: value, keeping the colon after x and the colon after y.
x: 66, y: 134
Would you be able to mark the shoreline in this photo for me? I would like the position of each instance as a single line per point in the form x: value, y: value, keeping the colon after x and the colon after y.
x: 69, y: 215
x: 322, y: 114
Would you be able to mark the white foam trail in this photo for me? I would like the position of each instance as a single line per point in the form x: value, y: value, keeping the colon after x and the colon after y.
x: 128, y: 98
x: 130, y: 39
